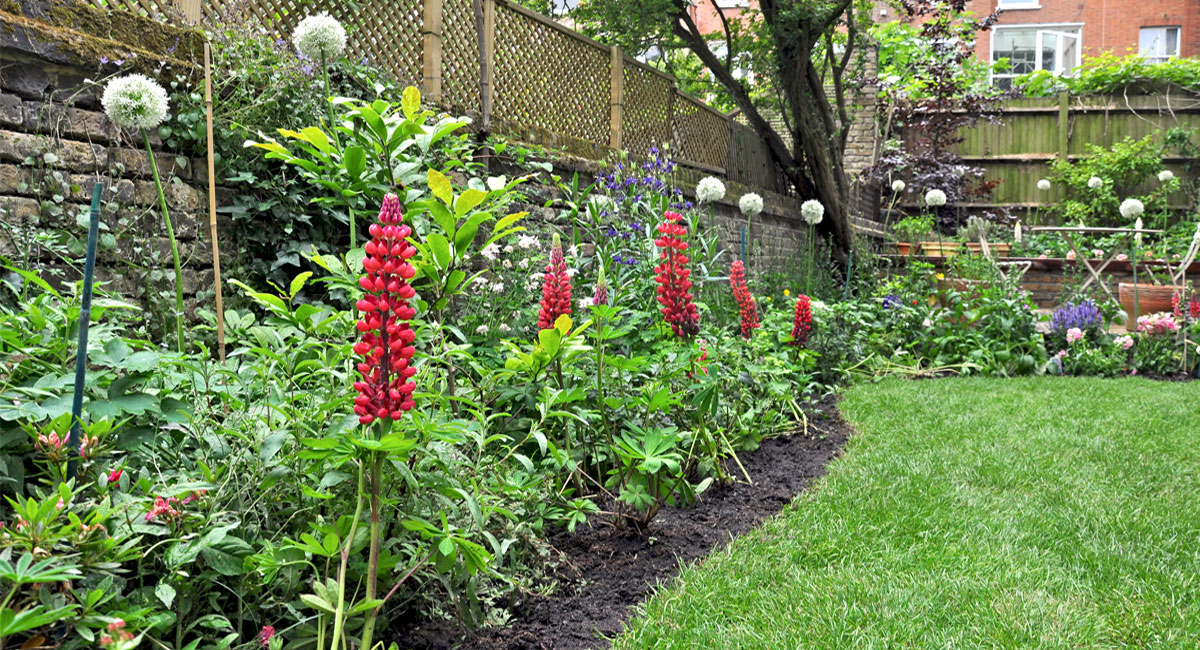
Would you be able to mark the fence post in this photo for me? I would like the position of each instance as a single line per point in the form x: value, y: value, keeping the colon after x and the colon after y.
x: 1064, y: 125
x: 431, y: 49
x: 616, y: 105
x: 190, y: 10
x: 489, y: 49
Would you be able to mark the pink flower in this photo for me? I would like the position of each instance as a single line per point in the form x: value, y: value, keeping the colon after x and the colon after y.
x: 1042, y: 256
x: 264, y: 636
x: 1062, y: 354
x: 164, y: 508
x: 556, y: 288
x: 1122, y: 257
x: 1070, y: 255
x: 114, y: 476
x: 385, y: 389
x: 1125, y: 342
x: 1074, y: 334
x: 1096, y: 252
x: 672, y: 275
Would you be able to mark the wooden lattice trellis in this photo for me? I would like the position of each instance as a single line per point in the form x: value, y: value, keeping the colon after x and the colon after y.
x: 543, y: 75
x: 646, y: 118
x: 701, y: 134
x: 550, y: 78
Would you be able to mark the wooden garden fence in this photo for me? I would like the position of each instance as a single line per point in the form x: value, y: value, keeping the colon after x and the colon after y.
x: 1032, y: 133
x: 541, y: 74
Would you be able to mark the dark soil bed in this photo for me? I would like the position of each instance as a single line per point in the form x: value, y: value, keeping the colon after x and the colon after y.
x: 606, y: 572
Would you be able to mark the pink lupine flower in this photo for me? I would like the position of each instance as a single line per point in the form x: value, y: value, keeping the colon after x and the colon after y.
x: 385, y: 390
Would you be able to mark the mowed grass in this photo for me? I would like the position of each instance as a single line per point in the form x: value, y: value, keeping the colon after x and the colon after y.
x: 971, y: 513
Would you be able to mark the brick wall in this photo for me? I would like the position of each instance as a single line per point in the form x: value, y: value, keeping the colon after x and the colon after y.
x: 55, y: 143
x: 1049, y: 280
x: 1108, y: 25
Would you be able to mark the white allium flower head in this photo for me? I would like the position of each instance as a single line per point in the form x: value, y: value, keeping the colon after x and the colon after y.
x: 1044, y: 185
x: 898, y: 186
x: 1165, y: 175
x: 135, y: 102
x: 504, y: 328
x: 1095, y: 182
x: 812, y: 211
x: 1132, y: 208
x: 709, y: 189
x: 320, y: 37
x: 935, y: 198
x: 496, y: 183
x: 482, y: 329
x: 750, y: 204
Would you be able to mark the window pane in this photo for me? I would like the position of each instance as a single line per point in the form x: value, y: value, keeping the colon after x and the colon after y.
x: 1148, y: 41
x: 1172, y: 48
x: 1017, y: 45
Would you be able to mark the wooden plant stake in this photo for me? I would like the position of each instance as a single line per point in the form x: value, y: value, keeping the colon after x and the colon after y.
x: 85, y: 319
x: 212, y: 203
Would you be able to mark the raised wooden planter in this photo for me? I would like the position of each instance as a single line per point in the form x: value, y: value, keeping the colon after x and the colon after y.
x: 940, y: 249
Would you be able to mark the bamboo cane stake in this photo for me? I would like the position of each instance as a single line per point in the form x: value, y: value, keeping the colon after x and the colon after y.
x: 212, y: 202
x: 85, y: 318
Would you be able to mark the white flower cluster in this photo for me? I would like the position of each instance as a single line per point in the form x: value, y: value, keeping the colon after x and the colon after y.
x: 135, y: 102
x: 935, y: 198
x: 1132, y: 208
x: 812, y: 211
x: 898, y: 186
x: 320, y: 37
x: 709, y: 189
x: 1043, y: 185
x: 1165, y: 175
x: 527, y: 242
x: 751, y: 204
x: 1095, y: 182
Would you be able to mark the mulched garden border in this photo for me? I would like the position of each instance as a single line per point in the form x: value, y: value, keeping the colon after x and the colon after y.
x: 605, y: 572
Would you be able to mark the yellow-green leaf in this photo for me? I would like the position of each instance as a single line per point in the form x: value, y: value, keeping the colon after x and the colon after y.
x: 411, y: 102
x: 468, y: 200
x: 440, y: 186
x: 563, y: 324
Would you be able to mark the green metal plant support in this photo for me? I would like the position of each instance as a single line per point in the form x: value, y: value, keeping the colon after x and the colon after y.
x: 85, y: 319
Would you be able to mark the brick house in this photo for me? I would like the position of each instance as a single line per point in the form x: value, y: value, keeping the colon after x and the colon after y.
x: 1058, y: 35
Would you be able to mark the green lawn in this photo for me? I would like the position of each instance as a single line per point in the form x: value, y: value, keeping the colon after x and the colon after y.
x: 971, y: 513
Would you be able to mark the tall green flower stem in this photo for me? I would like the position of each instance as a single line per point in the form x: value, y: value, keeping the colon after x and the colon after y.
x: 339, y: 616
x: 162, y: 201
x: 376, y: 478
x: 808, y: 265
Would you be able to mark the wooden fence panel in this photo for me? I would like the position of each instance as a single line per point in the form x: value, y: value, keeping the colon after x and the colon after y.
x: 543, y: 74
x: 1032, y: 133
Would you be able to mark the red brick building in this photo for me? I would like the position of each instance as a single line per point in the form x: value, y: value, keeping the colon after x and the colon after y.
x: 1054, y: 35
x: 1058, y: 35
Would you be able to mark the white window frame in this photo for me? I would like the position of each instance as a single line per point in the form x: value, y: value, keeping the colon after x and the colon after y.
x: 1040, y: 29
x: 1018, y: 5
x: 1165, y: 57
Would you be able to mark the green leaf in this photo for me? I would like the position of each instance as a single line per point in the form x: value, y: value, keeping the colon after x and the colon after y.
x: 298, y: 283
x: 356, y: 161
x: 165, y: 594
x: 318, y: 604
x: 440, y: 186
x: 440, y: 247
x: 551, y: 341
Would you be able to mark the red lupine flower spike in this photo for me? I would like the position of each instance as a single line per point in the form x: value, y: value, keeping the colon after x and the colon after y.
x: 556, y: 288
x: 802, y: 324
x: 741, y: 292
x: 672, y: 273
x: 385, y: 389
